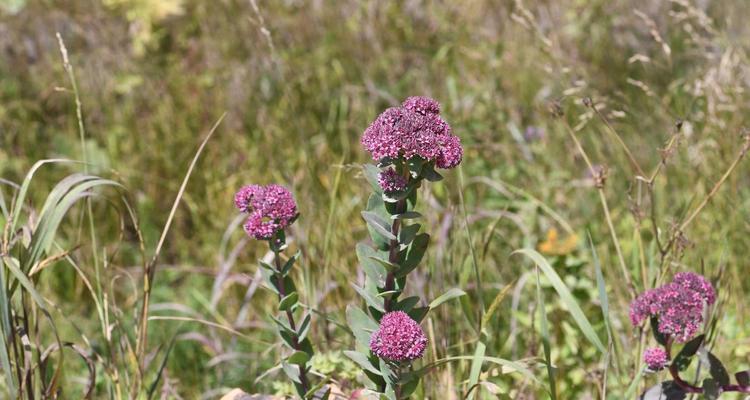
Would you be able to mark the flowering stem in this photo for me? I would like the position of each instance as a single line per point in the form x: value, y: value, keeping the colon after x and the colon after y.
x: 290, y: 317
x: 390, y: 280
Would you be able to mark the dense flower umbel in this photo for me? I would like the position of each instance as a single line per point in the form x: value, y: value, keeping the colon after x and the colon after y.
x: 413, y: 130
x: 399, y: 338
x: 390, y: 181
x: 678, y: 305
x: 655, y: 358
x: 271, y: 208
x: 697, y: 283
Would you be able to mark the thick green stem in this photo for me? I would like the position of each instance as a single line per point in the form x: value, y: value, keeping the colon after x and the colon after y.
x: 390, y: 280
x: 290, y: 317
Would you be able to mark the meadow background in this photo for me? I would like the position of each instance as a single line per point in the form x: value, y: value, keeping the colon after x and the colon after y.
x: 299, y: 81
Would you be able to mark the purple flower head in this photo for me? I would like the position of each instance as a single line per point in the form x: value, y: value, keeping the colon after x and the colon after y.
x: 655, y: 358
x: 413, y: 130
x: 681, y: 311
x: 678, y: 305
x: 390, y: 181
x: 698, y: 283
x: 451, y: 152
x: 399, y: 338
x: 643, y: 307
x: 244, y: 197
x: 271, y: 208
x: 421, y: 105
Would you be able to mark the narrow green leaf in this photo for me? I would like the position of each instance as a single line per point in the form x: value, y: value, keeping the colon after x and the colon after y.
x: 371, y: 299
x: 449, y: 295
x: 288, y: 302
x: 603, y: 299
x: 407, y: 215
x: 304, y: 326
x: 379, y: 224
x: 476, y: 368
x: 290, y: 263
x: 545, y: 339
x: 565, y: 296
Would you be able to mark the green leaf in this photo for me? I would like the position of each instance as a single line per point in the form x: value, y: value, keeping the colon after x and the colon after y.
x: 449, y: 295
x: 545, y: 339
x: 429, y: 173
x: 283, y: 326
x: 407, y: 304
x: 682, y: 360
x: 717, y: 370
x: 667, y: 390
x: 407, y: 215
x: 371, y: 299
x: 289, y: 301
x: 414, y: 254
x: 634, y: 384
x: 362, y: 360
x: 304, y: 326
x: 290, y: 263
x: 711, y: 389
x: 565, y: 296
x: 375, y: 205
x: 299, y: 358
x: 378, y: 224
x: 389, y: 266
x: 269, y: 277
x: 407, y: 234
x: 361, y: 324
x: 603, y: 299
x: 476, y: 368
x: 371, y: 173
x: 372, y: 269
x: 418, y: 313
x: 743, y: 378
x: 292, y: 371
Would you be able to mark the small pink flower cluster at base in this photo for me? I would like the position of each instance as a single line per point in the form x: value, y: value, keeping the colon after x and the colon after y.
x: 271, y: 208
x: 656, y: 358
x: 413, y: 130
x: 390, y: 181
x: 399, y: 338
x: 678, y: 305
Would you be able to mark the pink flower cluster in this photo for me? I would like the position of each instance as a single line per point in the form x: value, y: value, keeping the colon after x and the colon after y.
x: 271, y: 208
x: 390, y: 181
x: 413, y: 130
x: 399, y: 338
x: 678, y: 305
x: 656, y: 358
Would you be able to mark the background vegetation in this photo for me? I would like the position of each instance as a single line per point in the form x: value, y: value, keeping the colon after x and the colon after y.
x: 299, y: 81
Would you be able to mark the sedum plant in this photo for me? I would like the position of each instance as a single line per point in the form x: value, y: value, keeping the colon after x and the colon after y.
x: 675, y: 312
x: 408, y: 143
x: 271, y: 209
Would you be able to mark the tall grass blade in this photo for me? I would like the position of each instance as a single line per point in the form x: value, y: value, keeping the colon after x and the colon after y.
x: 545, y: 339
x: 565, y: 296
